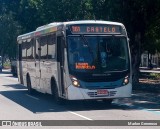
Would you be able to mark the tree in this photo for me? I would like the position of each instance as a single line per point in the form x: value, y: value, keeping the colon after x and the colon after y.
x: 140, y: 17
x: 9, y: 32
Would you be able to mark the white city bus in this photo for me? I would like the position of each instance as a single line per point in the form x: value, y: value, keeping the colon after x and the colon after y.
x: 77, y: 60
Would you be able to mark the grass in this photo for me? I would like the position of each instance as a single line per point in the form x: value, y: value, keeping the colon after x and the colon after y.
x: 149, y: 82
x: 154, y: 76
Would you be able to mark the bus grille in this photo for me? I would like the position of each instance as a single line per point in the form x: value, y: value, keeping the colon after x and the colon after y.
x: 102, y: 87
x: 94, y: 94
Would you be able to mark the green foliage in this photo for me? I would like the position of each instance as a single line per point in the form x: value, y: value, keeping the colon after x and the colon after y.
x: 155, y: 75
x: 7, y: 65
x: 9, y: 30
x: 140, y: 17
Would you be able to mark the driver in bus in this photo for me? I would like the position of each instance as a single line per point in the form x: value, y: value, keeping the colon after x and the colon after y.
x: 80, y: 53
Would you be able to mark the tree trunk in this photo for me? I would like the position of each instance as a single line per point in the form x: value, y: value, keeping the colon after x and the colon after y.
x: 135, y: 68
x: 136, y: 60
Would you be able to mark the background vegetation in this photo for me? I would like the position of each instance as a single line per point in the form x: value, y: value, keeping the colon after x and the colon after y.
x: 141, y: 18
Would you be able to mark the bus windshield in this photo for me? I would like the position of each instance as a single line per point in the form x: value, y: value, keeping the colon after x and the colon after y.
x: 97, y: 54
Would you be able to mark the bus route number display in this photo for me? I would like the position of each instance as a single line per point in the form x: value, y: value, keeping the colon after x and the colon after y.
x: 105, y: 29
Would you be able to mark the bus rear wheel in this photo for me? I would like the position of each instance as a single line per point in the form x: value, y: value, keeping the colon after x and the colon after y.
x: 29, y: 87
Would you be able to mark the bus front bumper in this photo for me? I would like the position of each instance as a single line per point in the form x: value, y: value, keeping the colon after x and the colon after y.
x: 75, y: 93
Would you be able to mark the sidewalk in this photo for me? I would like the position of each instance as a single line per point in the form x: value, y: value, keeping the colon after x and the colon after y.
x: 148, y: 82
x: 146, y: 68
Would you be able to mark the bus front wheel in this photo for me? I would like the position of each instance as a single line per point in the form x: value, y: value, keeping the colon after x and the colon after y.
x: 55, y: 94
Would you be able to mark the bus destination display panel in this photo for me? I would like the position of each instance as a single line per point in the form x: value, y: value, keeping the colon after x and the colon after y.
x: 95, y: 28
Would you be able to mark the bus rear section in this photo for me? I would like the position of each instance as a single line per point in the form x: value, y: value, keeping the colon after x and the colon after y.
x: 98, y: 62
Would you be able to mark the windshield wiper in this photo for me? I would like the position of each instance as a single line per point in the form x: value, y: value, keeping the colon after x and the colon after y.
x: 86, y: 45
x: 85, y: 41
x: 117, y: 71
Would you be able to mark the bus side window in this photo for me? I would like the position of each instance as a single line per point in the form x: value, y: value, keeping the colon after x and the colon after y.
x: 37, y: 47
x: 34, y: 48
x: 43, y: 43
x: 30, y: 49
x: 19, y: 53
x: 24, y: 50
x: 51, y: 46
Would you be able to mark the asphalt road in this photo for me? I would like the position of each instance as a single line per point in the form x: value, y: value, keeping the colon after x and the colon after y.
x: 17, y: 104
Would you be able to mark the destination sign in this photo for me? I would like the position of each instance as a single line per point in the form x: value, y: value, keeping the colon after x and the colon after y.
x: 96, y: 28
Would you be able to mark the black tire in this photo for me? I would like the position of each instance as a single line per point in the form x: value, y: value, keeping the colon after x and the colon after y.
x: 29, y: 87
x: 108, y: 101
x: 55, y: 94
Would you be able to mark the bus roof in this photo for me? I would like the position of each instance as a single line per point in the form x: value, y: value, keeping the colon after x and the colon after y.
x: 78, y: 22
x: 53, y: 27
x: 93, y: 22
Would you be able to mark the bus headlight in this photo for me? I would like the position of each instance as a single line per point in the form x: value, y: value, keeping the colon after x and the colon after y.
x: 75, y: 81
x: 126, y: 80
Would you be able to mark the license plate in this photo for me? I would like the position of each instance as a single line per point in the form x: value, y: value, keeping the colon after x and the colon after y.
x: 102, y: 92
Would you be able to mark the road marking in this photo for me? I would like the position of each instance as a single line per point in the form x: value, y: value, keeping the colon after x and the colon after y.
x: 140, y: 108
x: 32, y: 97
x: 152, y: 111
x: 80, y: 115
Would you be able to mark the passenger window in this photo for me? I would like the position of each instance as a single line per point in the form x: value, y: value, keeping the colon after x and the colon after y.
x: 43, y: 43
x: 29, y: 49
x: 24, y: 50
x: 51, y: 46
x: 37, y: 47
x: 34, y: 48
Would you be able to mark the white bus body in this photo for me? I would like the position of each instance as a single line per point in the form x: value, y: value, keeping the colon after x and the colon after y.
x: 46, y: 63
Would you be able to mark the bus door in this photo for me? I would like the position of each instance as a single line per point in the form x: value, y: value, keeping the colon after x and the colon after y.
x: 60, y: 60
x: 37, y: 64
